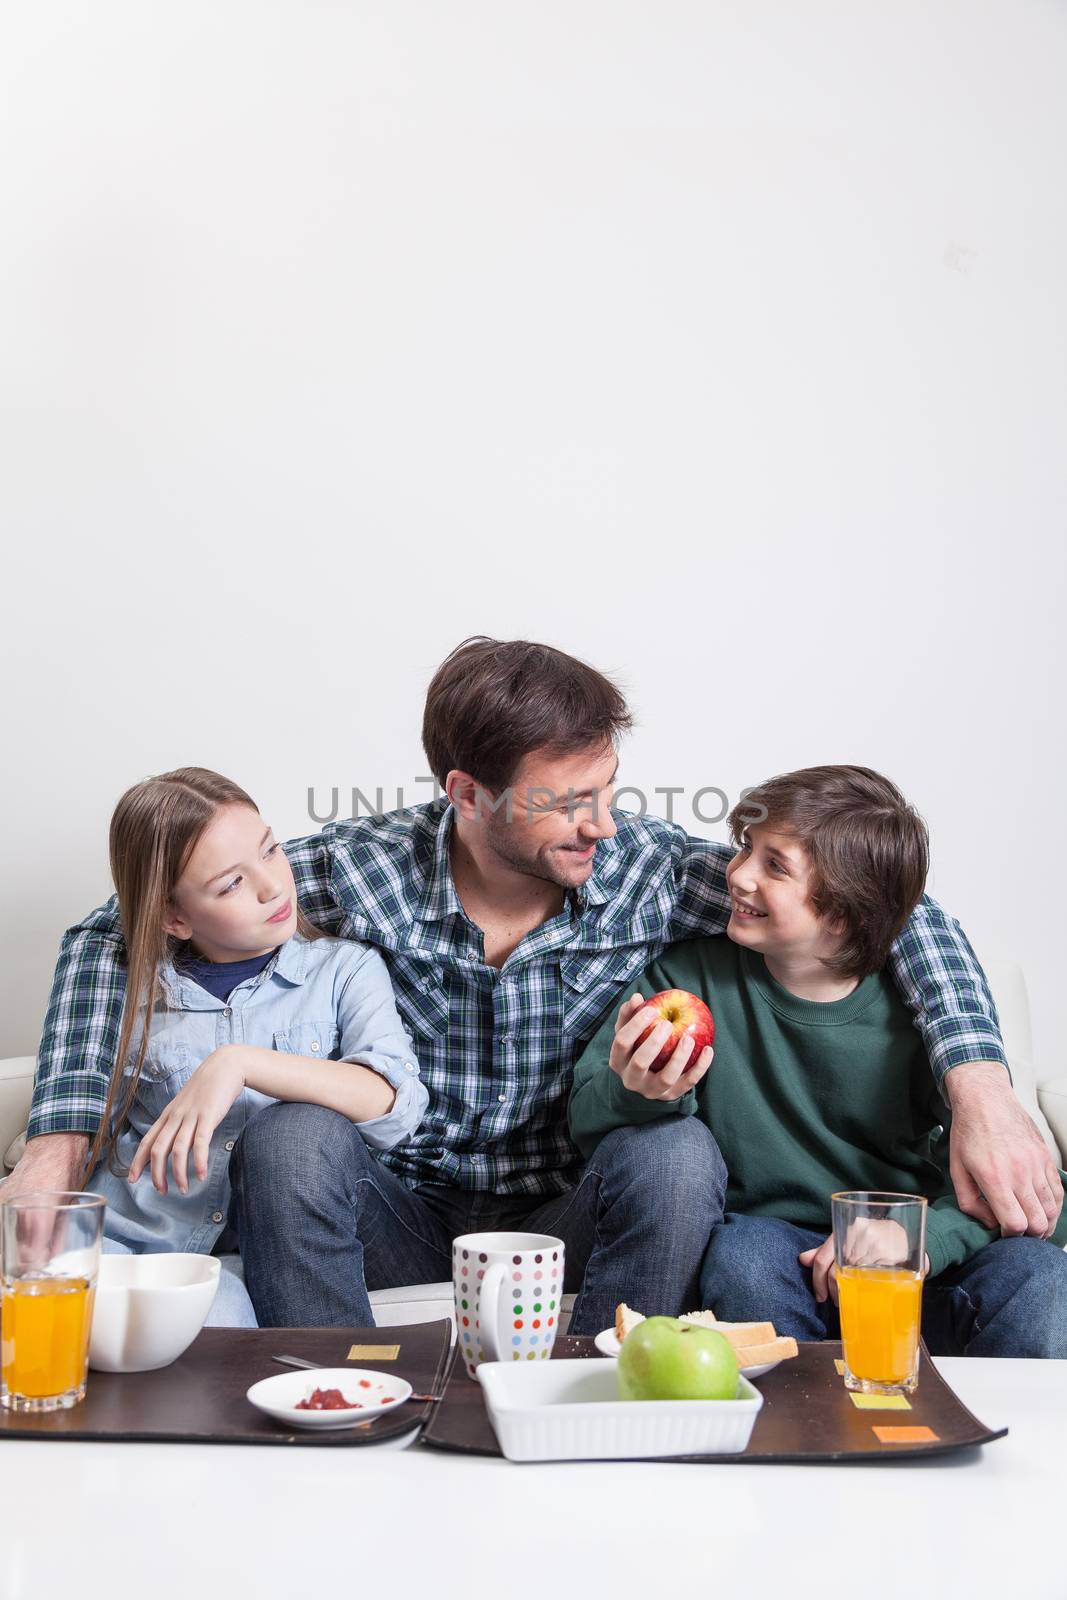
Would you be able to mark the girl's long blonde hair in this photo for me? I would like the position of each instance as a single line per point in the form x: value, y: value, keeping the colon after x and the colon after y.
x: 154, y: 830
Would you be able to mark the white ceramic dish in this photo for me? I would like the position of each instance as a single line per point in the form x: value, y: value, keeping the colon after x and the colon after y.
x: 148, y: 1309
x: 571, y: 1411
x: 373, y: 1391
x: 607, y: 1343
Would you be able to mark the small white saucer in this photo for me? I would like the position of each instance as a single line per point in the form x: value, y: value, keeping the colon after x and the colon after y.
x: 373, y: 1391
x: 608, y: 1345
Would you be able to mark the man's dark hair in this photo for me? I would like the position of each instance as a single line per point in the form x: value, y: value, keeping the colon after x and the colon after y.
x: 869, y: 852
x: 492, y: 702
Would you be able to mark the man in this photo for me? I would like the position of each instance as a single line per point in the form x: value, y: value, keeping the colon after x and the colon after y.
x: 512, y: 913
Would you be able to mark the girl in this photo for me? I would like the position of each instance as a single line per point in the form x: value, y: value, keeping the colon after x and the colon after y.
x: 233, y: 1001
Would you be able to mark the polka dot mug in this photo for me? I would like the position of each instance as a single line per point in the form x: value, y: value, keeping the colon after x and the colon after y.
x: 508, y: 1288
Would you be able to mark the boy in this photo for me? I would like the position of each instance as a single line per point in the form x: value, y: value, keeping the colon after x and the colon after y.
x: 820, y: 1080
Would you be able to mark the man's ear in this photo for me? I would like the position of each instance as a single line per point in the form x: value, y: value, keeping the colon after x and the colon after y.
x: 463, y: 792
x: 175, y: 924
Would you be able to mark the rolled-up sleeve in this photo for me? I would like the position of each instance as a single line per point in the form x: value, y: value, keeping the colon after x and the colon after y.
x: 373, y: 1035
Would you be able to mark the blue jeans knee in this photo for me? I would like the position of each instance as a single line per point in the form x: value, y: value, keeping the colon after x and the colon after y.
x: 751, y: 1274
x: 1009, y: 1299
x: 676, y: 1160
x: 292, y: 1147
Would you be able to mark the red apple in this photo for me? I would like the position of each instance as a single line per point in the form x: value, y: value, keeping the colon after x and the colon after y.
x: 688, y: 1016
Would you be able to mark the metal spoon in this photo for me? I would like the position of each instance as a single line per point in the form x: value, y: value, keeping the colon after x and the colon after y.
x: 315, y: 1366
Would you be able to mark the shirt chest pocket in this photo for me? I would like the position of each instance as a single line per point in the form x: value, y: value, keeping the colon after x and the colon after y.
x: 319, y: 1040
x: 165, y: 1062
x: 596, y: 982
x: 422, y: 997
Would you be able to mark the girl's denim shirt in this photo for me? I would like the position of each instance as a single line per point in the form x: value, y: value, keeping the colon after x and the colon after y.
x: 329, y: 999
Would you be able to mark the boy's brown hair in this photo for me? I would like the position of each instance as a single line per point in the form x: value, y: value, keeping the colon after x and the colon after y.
x: 492, y: 702
x: 869, y: 852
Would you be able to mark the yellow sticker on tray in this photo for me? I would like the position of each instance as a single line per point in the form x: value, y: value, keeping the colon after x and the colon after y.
x: 839, y: 1368
x: 879, y: 1402
x: 373, y: 1352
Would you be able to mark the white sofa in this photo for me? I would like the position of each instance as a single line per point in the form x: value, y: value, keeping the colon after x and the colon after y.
x: 1046, y: 1101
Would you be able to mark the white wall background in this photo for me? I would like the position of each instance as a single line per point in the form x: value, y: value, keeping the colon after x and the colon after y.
x: 720, y: 343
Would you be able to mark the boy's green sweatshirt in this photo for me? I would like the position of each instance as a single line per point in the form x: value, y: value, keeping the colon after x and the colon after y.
x: 803, y: 1097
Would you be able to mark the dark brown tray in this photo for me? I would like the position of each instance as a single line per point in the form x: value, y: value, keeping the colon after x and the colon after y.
x: 807, y: 1415
x: 200, y: 1398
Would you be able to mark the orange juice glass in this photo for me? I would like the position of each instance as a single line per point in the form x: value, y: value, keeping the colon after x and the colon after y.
x: 49, y: 1257
x: 880, y: 1250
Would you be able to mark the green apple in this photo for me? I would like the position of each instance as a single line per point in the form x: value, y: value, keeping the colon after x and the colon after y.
x: 664, y: 1359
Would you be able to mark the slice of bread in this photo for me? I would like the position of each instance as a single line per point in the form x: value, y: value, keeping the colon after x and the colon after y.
x: 755, y: 1343
x: 737, y: 1333
x: 625, y: 1320
x: 761, y: 1355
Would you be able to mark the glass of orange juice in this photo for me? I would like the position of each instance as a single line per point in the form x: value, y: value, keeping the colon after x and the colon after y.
x: 880, y: 1253
x: 49, y: 1257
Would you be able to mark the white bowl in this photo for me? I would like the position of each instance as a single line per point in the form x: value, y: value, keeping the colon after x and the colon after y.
x: 571, y: 1411
x: 148, y: 1309
x: 373, y: 1393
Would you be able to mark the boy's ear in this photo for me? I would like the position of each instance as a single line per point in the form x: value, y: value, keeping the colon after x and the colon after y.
x: 175, y: 924
x: 837, y: 928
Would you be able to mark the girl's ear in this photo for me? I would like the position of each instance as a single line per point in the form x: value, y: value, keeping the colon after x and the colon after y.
x: 175, y: 924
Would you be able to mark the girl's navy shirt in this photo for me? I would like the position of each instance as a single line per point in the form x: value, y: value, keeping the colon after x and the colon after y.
x: 221, y: 978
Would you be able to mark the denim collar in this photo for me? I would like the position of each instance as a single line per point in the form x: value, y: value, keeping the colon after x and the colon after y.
x: 290, y: 964
x: 292, y: 960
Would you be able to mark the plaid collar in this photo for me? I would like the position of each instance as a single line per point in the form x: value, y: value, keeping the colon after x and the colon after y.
x: 439, y: 899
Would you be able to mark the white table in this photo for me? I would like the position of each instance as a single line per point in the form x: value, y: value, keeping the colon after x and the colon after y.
x: 195, y: 1520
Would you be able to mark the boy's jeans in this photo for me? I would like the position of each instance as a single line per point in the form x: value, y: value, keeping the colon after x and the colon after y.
x: 320, y: 1220
x: 1008, y: 1300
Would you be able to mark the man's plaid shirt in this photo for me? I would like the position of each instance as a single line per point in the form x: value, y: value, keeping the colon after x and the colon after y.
x: 496, y: 1048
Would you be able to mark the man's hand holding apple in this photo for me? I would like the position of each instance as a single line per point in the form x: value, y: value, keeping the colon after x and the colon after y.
x: 636, y: 1052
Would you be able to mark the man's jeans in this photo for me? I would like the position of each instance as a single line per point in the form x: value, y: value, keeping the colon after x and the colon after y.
x: 1008, y: 1300
x: 321, y: 1221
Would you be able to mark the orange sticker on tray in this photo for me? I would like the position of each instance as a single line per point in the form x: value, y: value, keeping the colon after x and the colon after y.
x: 909, y: 1435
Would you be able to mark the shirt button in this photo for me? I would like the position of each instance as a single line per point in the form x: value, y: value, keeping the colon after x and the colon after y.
x: 409, y: 1066
x: 314, y: 1046
x: 505, y: 1038
x: 227, y: 1011
x: 216, y: 1216
x: 230, y: 1143
x: 501, y: 1096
